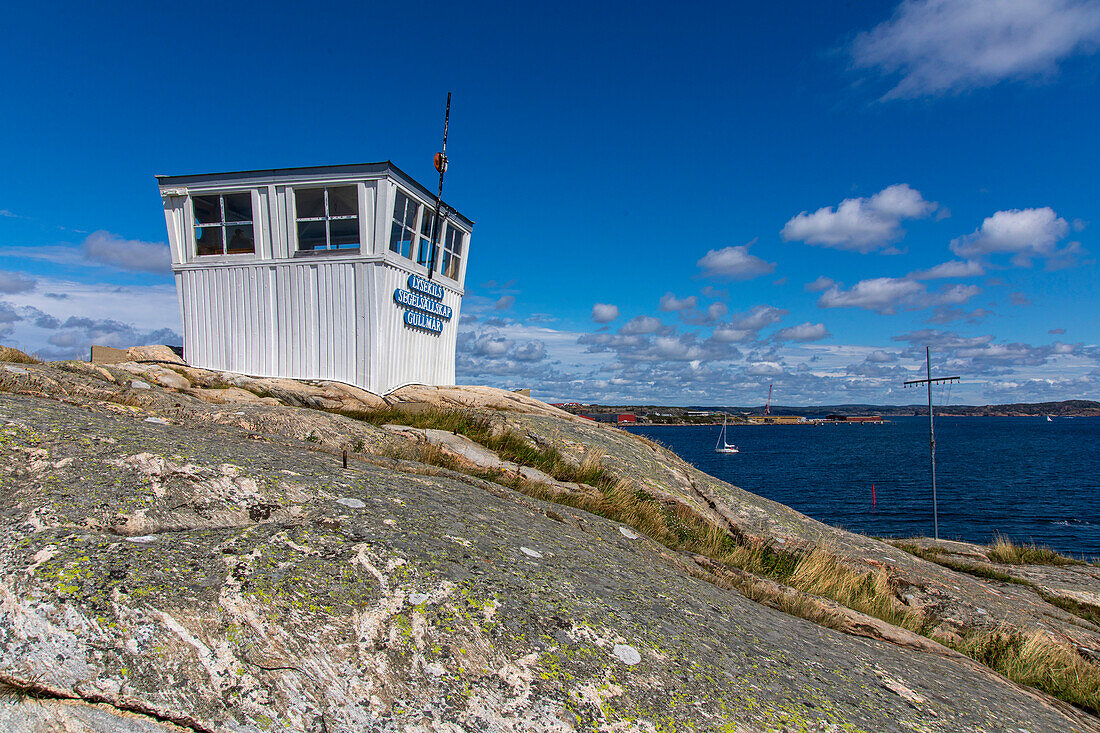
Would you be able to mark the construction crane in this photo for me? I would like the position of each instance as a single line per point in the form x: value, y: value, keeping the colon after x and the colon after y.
x: 768, y: 405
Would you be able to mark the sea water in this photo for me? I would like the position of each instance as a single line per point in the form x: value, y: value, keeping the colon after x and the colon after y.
x: 1023, y: 477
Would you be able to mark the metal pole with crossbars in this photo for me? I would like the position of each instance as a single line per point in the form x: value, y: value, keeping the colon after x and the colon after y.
x: 931, y: 430
x: 441, y: 166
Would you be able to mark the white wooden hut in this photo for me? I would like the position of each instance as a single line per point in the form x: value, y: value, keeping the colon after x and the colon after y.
x: 317, y: 273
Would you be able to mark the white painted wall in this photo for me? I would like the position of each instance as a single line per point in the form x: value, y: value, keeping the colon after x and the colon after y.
x: 331, y: 315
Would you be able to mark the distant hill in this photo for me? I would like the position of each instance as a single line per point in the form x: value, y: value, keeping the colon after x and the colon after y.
x: 1065, y: 408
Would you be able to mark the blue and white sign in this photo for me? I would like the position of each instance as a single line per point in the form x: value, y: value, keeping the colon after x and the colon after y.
x: 416, y: 319
x: 423, y: 297
x: 418, y: 301
x: 426, y: 286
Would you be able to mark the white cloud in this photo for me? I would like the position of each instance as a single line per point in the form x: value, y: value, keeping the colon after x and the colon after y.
x: 491, y: 345
x: 882, y: 357
x: 881, y: 294
x: 803, y: 332
x: 530, y: 351
x: 861, y: 224
x: 8, y: 214
x: 944, y: 46
x: 505, y: 302
x: 822, y: 283
x: 604, y: 312
x: 127, y: 254
x: 734, y: 263
x: 15, y: 282
x: 670, y: 302
x: 954, y: 295
x: 729, y: 334
x: 954, y: 268
x: 759, y: 317
x: 1023, y: 233
x: 764, y: 369
x: 65, y: 328
x: 146, y: 307
x: 640, y: 325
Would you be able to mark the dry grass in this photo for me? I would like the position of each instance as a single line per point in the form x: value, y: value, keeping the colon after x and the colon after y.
x: 509, y: 445
x: 939, y: 556
x: 1007, y: 552
x: 1037, y: 660
x: 822, y: 574
x: 1087, y: 611
x: 931, y: 554
x: 15, y: 356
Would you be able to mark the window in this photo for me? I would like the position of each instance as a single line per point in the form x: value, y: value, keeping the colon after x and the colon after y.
x: 223, y: 224
x: 327, y: 218
x: 452, y: 253
x: 424, y: 245
x: 403, y: 229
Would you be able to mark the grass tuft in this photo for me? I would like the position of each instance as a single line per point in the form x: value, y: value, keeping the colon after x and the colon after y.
x: 1007, y: 552
x: 1037, y: 660
x: 15, y: 356
x: 1087, y: 611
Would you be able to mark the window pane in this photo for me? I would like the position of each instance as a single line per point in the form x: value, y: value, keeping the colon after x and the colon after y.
x: 454, y: 241
x: 208, y: 240
x: 400, y: 203
x: 426, y: 223
x: 343, y: 201
x: 240, y: 239
x: 424, y: 251
x: 395, y: 237
x: 453, y: 267
x: 208, y: 209
x: 344, y: 232
x: 309, y: 203
x: 411, y: 210
x: 238, y: 207
x: 311, y: 235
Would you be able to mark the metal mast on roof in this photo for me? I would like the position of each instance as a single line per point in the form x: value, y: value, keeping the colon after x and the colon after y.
x: 441, y: 166
x: 931, y: 429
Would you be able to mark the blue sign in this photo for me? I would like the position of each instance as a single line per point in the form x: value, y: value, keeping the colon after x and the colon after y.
x: 416, y: 319
x: 418, y: 301
x: 426, y: 286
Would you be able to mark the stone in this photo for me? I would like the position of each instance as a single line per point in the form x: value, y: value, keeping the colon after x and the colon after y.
x: 207, y: 578
x: 158, y: 353
x: 626, y: 654
x: 350, y: 502
x: 139, y: 384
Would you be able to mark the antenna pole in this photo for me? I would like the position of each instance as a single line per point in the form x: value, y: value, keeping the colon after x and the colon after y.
x: 932, y: 441
x: 931, y: 431
x: 441, y: 166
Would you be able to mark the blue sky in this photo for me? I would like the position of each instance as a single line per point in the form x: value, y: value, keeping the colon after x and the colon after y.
x: 674, y: 204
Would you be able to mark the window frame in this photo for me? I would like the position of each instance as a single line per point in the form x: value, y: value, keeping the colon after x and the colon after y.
x: 193, y: 224
x: 414, y: 231
x: 328, y: 249
x: 443, y: 250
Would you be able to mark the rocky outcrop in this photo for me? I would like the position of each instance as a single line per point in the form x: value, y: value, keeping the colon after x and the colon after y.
x: 177, y: 563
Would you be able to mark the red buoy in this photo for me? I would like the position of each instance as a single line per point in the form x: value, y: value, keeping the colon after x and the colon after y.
x: 873, y: 502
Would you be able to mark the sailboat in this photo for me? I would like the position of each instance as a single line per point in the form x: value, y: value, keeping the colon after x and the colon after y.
x: 722, y: 446
x: 1048, y: 419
